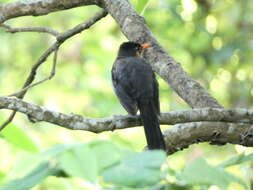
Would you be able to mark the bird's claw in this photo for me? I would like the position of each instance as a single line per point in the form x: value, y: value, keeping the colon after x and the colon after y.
x: 113, y: 124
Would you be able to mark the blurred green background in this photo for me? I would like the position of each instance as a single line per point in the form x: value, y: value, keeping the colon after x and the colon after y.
x: 212, y: 39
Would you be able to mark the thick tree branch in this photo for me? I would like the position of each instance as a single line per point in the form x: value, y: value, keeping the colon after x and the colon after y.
x: 177, y: 137
x: 134, y: 27
x: 38, y: 7
x: 181, y: 136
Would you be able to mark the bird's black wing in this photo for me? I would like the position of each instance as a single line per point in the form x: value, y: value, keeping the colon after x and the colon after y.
x: 121, y: 91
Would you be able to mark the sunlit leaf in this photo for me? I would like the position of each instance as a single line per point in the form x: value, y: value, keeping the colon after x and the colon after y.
x: 32, y: 179
x: 19, y: 138
x: 79, y: 161
x: 239, y: 159
x: 201, y: 173
x: 106, y: 150
x: 23, y: 165
x: 137, y: 170
x: 56, y: 150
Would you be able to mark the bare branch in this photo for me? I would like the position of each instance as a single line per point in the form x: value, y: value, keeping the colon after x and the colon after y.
x: 38, y: 7
x: 177, y: 137
x: 60, y: 39
x: 30, y: 79
x: 30, y: 29
x: 52, y: 73
x: 81, y: 27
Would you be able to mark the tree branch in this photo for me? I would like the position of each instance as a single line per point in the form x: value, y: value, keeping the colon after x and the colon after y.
x: 52, y: 73
x: 135, y: 29
x: 181, y: 136
x: 60, y: 39
x: 30, y: 79
x: 38, y: 7
x: 178, y: 137
x: 30, y: 29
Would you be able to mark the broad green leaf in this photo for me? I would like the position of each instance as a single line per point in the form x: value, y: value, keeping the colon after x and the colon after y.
x: 137, y: 170
x: 57, y: 150
x: 19, y: 138
x: 123, y: 142
x: 106, y: 150
x: 32, y: 179
x: 29, y: 161
x: 236, y: 160
x: 80, y: 161
x: 201, y: 173
x: 24, y: 164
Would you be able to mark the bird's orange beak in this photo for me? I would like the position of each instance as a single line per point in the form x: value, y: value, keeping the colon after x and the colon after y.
x: 144, y: 46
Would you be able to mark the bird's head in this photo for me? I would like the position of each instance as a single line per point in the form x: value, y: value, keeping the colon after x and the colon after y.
x: 132, y: 49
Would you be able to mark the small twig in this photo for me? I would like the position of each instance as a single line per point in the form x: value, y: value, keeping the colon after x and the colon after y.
x: 29, y: 80
x: 30, y: 29
x: 81, y: 27
x: 32, y: 74
x: 52, y: 73
x: 61, y: 37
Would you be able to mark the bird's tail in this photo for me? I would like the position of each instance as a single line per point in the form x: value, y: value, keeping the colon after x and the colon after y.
x: 152, y: 129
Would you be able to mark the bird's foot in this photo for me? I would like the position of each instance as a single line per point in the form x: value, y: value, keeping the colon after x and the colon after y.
x: 115, y: 122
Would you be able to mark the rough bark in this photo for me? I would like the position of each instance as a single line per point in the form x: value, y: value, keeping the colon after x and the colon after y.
x: 217, y: 133
x: 38, y: 7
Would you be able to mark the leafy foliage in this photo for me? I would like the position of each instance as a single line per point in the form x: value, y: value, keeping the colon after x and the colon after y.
x: 136, y: 170
x: 20, y: 139
x: 79, y: 162
x: 33, y: 178
x: 126, y: 169
x: 201, y: 173
x: 239, y: 159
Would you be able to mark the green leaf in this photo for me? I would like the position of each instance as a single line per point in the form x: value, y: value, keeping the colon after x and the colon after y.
x: 57, y: 150
x: 106, y: 150
x: 32, y: 179
x: 79, y: 161
x: 19, y: 138
x: 24, y: 164
x: 237, y: 160
x: 201, y: 173
x: 137, y: 170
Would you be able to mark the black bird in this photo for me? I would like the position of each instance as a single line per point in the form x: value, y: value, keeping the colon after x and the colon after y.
x: 135, y: 85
